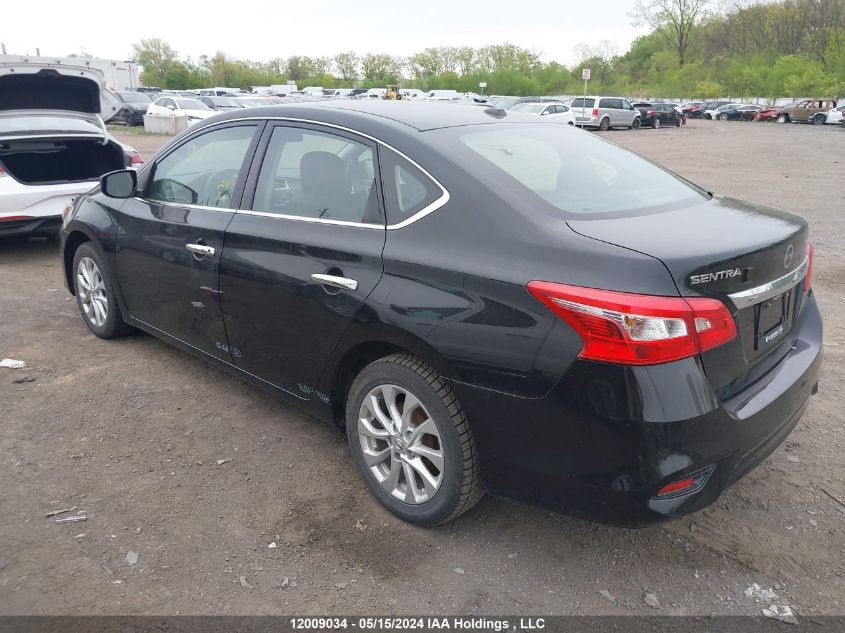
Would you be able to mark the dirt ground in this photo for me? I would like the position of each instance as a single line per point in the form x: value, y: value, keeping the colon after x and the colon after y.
x: 132, y: 430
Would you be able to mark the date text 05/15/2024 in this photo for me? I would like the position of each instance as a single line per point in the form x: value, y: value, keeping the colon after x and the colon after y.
x: 418, y: 624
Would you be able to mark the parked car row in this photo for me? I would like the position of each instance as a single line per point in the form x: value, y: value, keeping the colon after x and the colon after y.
x: 816, y: 111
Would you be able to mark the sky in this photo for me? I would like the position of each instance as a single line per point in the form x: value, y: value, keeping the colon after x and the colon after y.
x: 260, y: 30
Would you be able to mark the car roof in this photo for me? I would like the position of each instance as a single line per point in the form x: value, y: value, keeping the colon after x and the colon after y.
x: 368, y: 116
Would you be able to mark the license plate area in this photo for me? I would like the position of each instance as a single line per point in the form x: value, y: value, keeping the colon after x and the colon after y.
x: 773, y: 319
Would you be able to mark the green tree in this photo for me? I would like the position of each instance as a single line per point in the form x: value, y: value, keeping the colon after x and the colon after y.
x: 380, y: 67
x: 672, y: 19
x: 347, y: 65
x: 157, y: 57
x: 709, y: 90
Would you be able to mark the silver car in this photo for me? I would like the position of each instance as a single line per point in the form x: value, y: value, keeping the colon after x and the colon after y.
x: 605, y: 112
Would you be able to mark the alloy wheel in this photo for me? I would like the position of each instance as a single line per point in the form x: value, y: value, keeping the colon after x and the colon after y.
x: 656, y: 124
x: 400, y: 444
x: 92, y: 292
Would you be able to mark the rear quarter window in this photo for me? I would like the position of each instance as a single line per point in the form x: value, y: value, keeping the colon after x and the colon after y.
x: 407, y: 190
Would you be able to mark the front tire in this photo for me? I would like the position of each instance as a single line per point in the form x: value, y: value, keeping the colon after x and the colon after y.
x: 819, y: 119
x: 94, y: 287
x: 656, y: 125
x: 782, y: 118
x: 411, y: 441
x: 723, y: 117
x: 636, y: 124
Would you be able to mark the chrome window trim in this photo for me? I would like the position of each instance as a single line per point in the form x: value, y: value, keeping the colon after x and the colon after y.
x: 185, y: 205
x: 431, y: 208
x: 760, y: 293
x: 299, y: 218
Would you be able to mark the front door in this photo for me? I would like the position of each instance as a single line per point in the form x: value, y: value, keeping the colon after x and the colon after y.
x: 171, y: 237
x: 303, y: 255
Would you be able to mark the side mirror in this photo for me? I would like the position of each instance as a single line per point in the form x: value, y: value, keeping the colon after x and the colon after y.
x: 171, y: 107
x: 119, y: 184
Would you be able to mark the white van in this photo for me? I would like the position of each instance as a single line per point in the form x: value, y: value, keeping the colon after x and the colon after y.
x: 442, y: 95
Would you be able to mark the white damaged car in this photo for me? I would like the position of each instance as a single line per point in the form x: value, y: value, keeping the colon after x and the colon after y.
x: 53, y: 143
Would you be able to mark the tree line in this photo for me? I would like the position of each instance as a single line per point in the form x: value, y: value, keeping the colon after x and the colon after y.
x: 751, y: 48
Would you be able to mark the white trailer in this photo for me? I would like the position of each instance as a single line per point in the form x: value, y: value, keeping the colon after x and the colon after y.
x: 119, y: 75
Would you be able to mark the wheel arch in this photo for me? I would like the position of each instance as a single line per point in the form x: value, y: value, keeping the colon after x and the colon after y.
x: 75, y: 238
x: 360, y: 350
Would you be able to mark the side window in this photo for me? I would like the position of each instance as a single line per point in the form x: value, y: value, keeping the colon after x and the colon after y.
x: 626, y: 105
x: 407, y: 190
x: 166, y: 103
x: 314, y: 174
x: 203, y: 171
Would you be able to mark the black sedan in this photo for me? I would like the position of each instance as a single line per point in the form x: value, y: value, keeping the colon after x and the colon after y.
x: 657, y: 115
x: 133, y: 108
x: 740, y: 113
x: 483, y: 300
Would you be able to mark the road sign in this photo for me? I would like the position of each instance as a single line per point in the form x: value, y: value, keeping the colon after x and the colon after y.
x: 585, y: 74
x: 482, y: 84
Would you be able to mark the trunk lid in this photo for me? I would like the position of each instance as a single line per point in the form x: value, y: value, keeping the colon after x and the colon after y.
x: 733, y: 251
x: 26, y: 87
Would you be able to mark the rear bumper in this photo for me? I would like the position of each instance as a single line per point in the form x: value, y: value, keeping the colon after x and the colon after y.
x: 35, y: 209
x: 49, y: 225
x: 607, y: 437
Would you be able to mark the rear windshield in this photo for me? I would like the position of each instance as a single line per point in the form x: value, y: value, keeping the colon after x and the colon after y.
x: 575, y: 172
x: 581, y: 102
x: 191, y: 104
x: 134, y: 97
x: 226, y: 102
x: 534, y: 108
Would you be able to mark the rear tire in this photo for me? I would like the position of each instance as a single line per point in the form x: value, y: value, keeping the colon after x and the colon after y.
x: 819, y: 119
x: 656, y: 125
x: 94, y: 287
x: 677, y: 123
x: 127, y: 118
x: 604, y: 124
x: 391, y: 444
x: 782, y: 118
x: 723, y: 117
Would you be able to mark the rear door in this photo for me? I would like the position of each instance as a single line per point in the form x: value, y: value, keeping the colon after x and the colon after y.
x: 303, y: 254
x: 171, y: 237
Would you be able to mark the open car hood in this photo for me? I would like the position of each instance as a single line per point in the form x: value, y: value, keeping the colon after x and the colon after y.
x: 57, y: 87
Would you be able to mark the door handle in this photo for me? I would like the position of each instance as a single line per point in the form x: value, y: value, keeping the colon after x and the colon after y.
x: 200, y: 249
x: 335, y: 282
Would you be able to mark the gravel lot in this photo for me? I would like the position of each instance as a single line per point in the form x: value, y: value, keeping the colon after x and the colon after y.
x: 132, y: 431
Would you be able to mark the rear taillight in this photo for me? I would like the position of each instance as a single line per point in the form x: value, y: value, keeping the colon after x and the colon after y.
x: 135, y: 159
x: 808, y: 278
x: 2, y: 170
x: 595, y: 111
x: 634, y: 329
x: 649, y: 113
